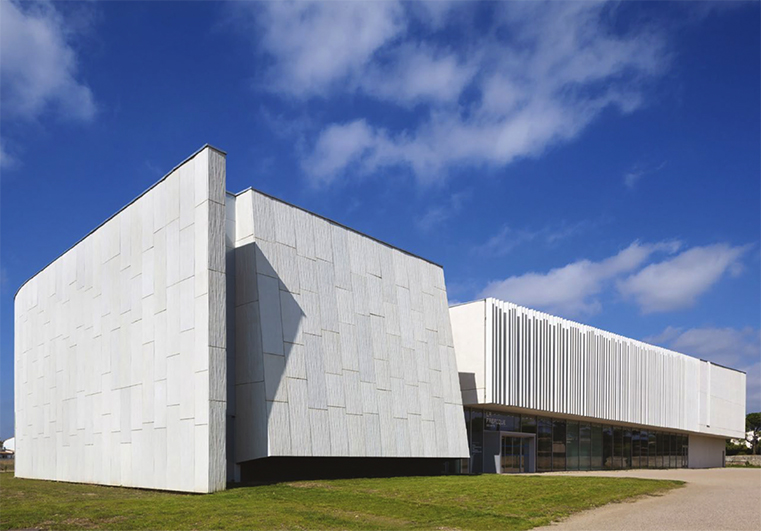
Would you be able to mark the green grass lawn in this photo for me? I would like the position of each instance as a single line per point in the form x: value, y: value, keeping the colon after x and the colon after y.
x: 448, y: 502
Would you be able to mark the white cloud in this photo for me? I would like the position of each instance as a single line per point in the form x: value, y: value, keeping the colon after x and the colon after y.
x: 678, y: 282
x: 426, y: 74
x: 731, y: 347
x: 337, y: 147
x: 505, y: 241
x: 317, y: 45
x: 537, y: 76
x: 437, y: 215
x: 633, y: 176
x: 6, y: 160
x: 508, y: 238
x: 38, y: 65
x: 572, y: 289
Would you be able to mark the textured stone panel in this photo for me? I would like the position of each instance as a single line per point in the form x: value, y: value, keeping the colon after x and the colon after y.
x: 106, y: 346
x: 299, y: 418
x: 359, y: 326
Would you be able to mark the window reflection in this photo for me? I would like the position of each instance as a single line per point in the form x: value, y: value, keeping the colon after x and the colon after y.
x: 559, y: 444
x: 585, y: 446
x: 618, y: 448
x: 607, y: 447
x: 543, y: 445
x: 596, y: 447
x: 627, y: 456
x: 572, y: 445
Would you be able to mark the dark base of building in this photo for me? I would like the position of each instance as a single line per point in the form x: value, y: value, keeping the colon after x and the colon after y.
x: 273, y: 469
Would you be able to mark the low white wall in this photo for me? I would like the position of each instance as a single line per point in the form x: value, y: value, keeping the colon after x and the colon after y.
x: 706, y: 452
x: 754, y: 460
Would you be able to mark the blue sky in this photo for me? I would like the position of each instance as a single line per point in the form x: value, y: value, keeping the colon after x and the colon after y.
x: 596, y: 160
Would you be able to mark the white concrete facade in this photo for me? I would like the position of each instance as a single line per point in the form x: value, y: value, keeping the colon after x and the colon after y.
x: 519, y: 358
x: 141, y: 361
x: 706, y: 452
x: 343, y: 344
x: 120, y: 345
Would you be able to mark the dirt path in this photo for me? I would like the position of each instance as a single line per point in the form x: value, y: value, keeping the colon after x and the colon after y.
x: 713, y: 499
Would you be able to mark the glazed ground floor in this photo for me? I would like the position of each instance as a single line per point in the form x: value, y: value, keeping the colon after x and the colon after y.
x: 510, y: 442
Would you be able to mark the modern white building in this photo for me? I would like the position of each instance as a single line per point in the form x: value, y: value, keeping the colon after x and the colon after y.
x: 196, y: 332
x: 198, y: 337
x: 543, y: 393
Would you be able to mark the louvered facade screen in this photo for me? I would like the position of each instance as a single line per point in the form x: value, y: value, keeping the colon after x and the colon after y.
x: 531, y: 360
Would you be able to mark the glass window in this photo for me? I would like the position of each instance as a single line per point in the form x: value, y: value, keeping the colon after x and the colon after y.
x: 596, y: 447
x: 659, y: 450
x: 572, y: 446
x: 666, y: 450
x: 543, y: 445
x: 652, y: 451
x: 627, y: 449
x: 674, y: 451
x: 494, y: 421
x: 643, y: 436
x: 618, y: 447
x: 685, y: 450
x: 585, y: 446
x: 528, y: 424
x: 477, y: 441
x: 607, y: 447
x: 636, y: 448
x: 558, y: 445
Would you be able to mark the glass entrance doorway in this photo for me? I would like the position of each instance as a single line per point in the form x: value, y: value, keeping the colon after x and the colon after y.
x: 514, y: 454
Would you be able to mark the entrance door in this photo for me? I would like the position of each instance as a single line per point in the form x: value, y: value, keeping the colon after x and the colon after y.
x: 514, y: 455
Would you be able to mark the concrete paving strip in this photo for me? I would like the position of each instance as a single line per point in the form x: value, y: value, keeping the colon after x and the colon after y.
x: 712, y: 499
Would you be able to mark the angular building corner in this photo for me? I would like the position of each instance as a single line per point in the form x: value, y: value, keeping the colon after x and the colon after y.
x: 120, y: 362
x: 197, y: 330
x: 197, y: 334
x: 343, y: 345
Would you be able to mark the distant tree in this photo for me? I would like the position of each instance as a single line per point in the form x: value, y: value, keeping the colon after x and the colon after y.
x: 737, y: 447
x: 753, y: 431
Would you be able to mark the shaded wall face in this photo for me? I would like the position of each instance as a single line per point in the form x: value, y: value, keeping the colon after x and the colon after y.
x: 343, y: 345
x: 120, y: 346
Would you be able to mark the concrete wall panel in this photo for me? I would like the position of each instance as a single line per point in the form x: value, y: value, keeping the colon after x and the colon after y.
x: 113, y: 342
x: 354, y: 320
x: 706, y: 452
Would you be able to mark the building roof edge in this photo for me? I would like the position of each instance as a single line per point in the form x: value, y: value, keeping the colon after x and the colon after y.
x: 334, y: 222
x: 109, y: 218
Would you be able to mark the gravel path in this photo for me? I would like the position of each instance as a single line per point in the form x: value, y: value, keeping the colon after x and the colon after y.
x: 713, y: 499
